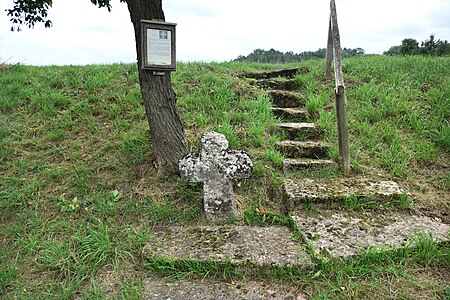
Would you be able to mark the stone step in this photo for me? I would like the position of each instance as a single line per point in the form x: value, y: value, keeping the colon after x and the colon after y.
x: 290, y: 113
x: 286, y: 99
x: 299, y: 131
x: 303, y: 149
x: 336, y: 190
x: 345, y: 233
x: 279, y: 84
x: 287, y: 73
x: 292, y: 164
x: 211, y: 289
x: 252, y: 249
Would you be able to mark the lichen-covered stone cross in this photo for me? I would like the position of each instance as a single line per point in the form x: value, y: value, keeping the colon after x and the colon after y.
x: 216, y: 166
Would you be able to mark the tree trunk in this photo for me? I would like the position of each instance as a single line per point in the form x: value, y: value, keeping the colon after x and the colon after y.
x: 166, y: 129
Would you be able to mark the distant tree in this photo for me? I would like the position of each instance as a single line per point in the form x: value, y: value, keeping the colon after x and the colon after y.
x: 358, y: 51
x: 428, y: 47
x: 431, y: 46
x: 348, y: 52
x: 166, y: 129
x: 277, y: 57
x: 442, y: 48
x: 394, y: 50
x: 409, y: 47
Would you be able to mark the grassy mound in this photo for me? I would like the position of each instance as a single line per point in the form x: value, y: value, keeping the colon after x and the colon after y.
x: 79, y: 196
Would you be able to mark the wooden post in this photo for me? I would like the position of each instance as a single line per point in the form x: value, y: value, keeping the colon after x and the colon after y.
x: 329, y: 52
x: 343, y: 137
x: 341, y: 110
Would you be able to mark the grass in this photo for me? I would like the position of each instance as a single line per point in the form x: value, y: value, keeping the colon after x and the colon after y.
x: 79, y: 197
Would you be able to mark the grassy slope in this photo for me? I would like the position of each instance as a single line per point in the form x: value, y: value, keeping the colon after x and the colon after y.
x: 78, y: 195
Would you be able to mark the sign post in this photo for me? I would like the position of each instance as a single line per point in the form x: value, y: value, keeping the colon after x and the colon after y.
x: 158, y: 42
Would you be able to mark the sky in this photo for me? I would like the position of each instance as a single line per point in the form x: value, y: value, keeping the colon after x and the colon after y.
x: 210, y: 30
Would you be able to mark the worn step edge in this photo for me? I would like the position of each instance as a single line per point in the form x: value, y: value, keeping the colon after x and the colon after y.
x: 290, y: 113
x: 292, y: 94
x: 299, y: 131
x: 286, y: 99
x: 278, y: 84
x: 293, y: 164
x: 303, y: 149
x: 287, y: 73
x: 251, y: 249
x: 346, y: 233
x: 331, y: 190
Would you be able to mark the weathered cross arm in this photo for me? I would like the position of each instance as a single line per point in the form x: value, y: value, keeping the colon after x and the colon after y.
x: 216, y: 166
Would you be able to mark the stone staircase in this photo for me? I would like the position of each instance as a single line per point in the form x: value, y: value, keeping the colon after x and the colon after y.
x: 320, y: 206
x: 303, y: 148
x: 324, y: 225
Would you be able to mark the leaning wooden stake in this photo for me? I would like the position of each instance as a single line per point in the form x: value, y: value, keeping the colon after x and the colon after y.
x: 329, y: 52
x: 341, y: 110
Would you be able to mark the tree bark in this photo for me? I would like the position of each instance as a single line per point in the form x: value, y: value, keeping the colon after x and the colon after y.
x: 166, y: 129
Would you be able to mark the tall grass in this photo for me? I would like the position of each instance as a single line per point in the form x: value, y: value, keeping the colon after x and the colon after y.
x: 78, y: 191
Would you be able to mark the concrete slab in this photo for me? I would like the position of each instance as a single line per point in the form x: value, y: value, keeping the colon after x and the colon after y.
x: 291, y: 164
x: 288, y: 73
x: 299, y: 131
x: 344, y: 233
x: 244, y: 246
x: 290, y: 112
x: 207, y: 289
x: 299, y: 149
x: 328, y: 190
x: 281, y: 97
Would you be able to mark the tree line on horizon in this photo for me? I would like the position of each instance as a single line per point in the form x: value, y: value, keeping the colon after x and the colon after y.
x: 409, y: 46
x: 430, y: 46
x: 278, y: 57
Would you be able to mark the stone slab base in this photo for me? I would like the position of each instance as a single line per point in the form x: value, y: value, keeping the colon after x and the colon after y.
x: 206, y: 289
x: 246, y: 246
x: 290, y: 164
x: 300, y: 191
x: 335, y: 233
x: 281, y: 97
x: 299, y: 131
x: 306, y: 149
x: 288, y: 73
x: 290, y: 112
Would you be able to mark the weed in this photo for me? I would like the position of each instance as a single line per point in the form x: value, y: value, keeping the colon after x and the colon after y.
x: 68, y: 205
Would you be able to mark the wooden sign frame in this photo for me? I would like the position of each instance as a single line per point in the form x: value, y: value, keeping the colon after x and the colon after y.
x: 158, y: 45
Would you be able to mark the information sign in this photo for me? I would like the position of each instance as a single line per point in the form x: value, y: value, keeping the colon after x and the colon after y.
x: 158, y: 43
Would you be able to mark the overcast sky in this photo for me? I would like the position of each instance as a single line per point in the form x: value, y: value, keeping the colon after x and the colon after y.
x: 210, y: 30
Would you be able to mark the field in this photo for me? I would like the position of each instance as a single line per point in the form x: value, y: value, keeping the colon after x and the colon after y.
x: 79, y: 197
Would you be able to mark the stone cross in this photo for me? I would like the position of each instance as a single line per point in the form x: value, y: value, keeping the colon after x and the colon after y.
x: 216, y: 166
